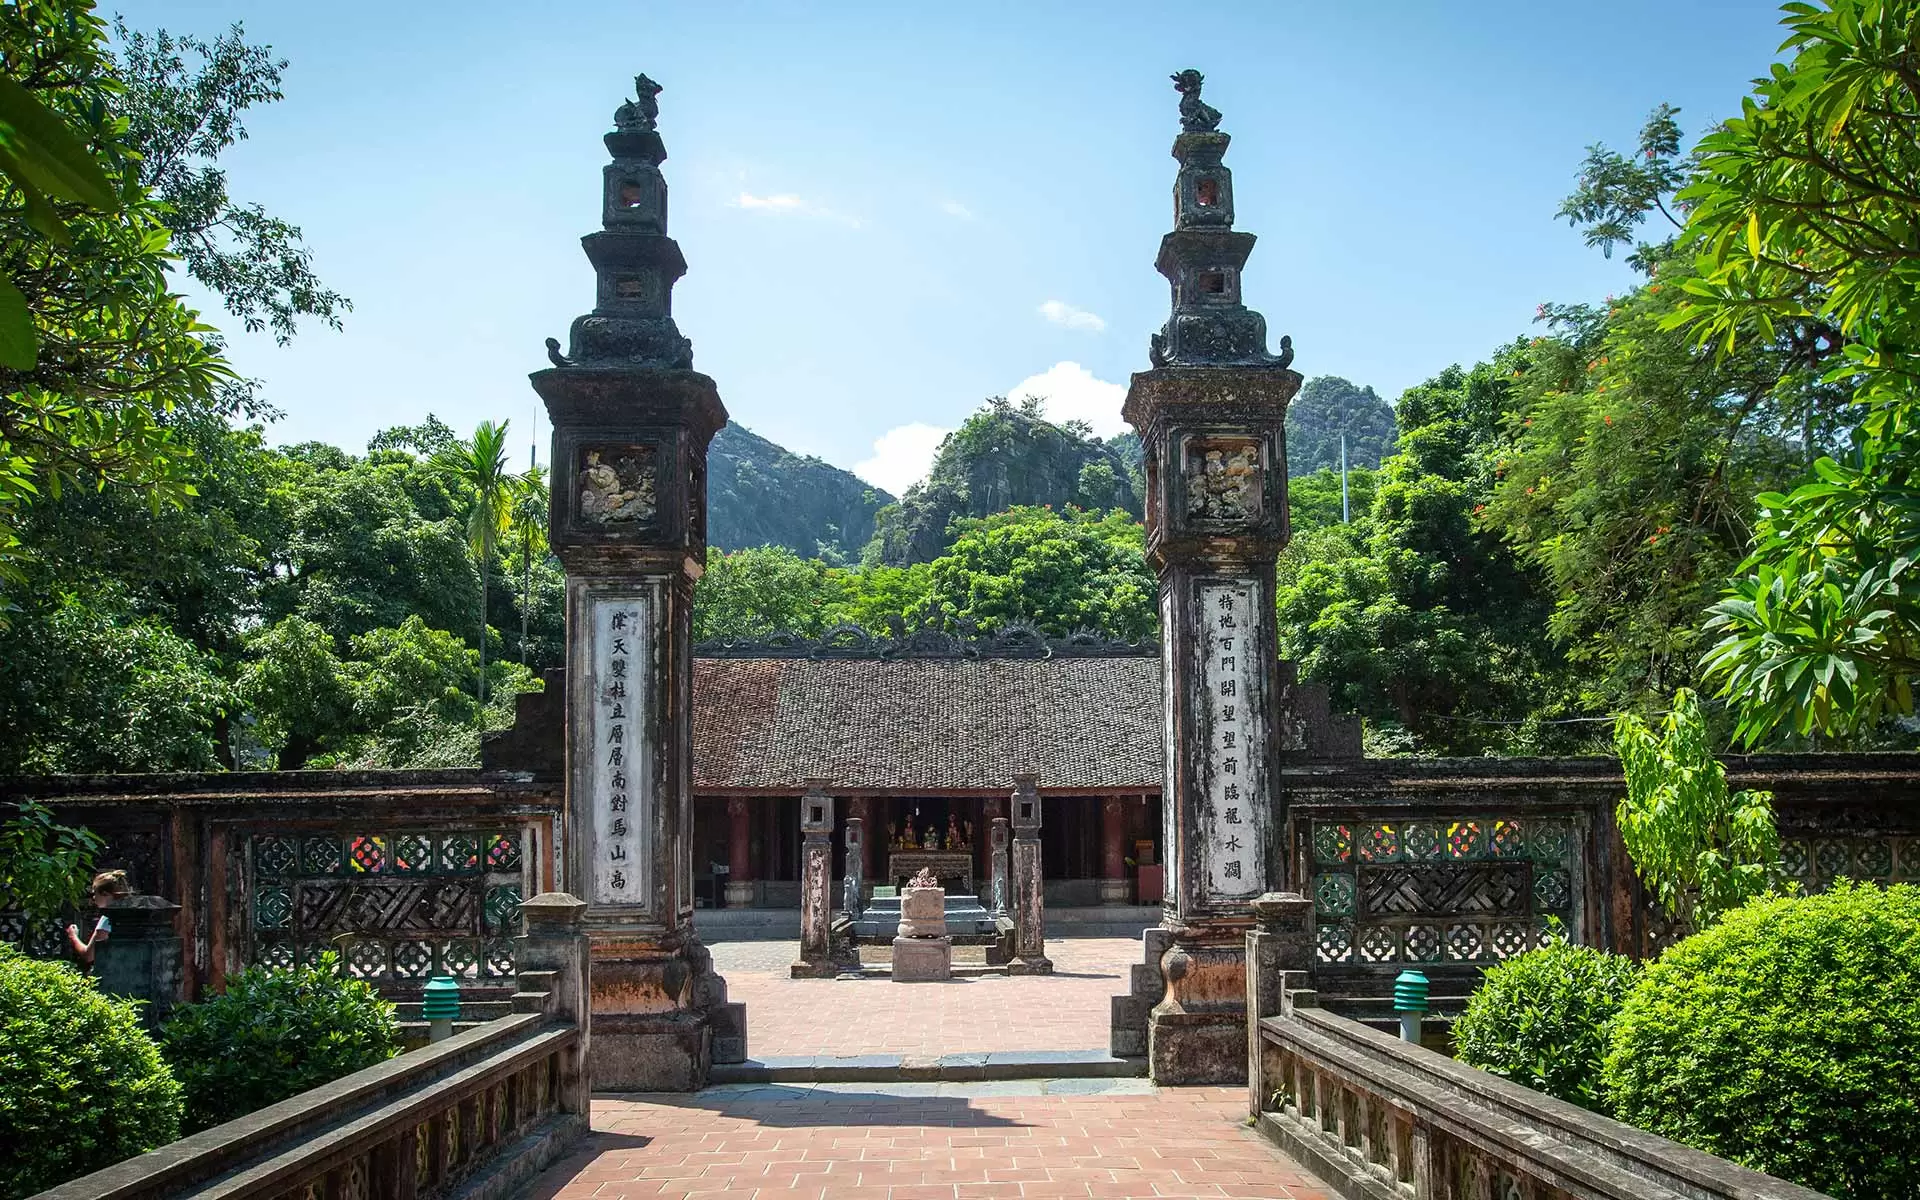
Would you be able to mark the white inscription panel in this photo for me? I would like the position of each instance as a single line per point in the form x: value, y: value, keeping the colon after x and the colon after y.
x: 622, y: 791
x: 1235, y: 731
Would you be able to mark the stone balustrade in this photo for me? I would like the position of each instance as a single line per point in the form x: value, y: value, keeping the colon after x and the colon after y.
x: 1382, y: 1119
x: 479, y: 1114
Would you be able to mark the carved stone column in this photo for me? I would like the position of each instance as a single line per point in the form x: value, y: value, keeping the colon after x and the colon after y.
x: 816, y: 884
x: 853, y: 899
x: 1211, y: 416
x: 1029, y: 883
x: 631, y: 425
x: 998, y: 898
x: 739, y: 890
x: 1115, y: 888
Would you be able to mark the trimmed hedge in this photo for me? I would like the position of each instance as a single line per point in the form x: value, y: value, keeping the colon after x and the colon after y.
x: 82, y: 1086
x: 1544, y: 1018
x: 275, y: 1034
x: 1787, y: 1038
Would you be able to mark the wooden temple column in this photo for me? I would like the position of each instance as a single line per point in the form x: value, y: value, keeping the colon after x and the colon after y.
x: 1115, y: 887
x: 739, y: 890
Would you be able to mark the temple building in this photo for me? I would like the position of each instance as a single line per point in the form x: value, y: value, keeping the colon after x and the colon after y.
x: 920, y: 736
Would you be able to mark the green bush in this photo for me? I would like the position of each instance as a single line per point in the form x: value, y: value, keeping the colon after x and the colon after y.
x: 1542, y: 1018
x: 1787, y: 1037
x: 275, y: 1034
x: 82, y: 1086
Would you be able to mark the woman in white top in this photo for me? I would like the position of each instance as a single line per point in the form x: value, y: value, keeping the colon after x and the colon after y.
x: 107, y: 887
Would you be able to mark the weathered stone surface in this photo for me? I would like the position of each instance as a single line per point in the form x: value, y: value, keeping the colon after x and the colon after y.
x: 923, y: 912
x: 922, y: 959
x: 1029, y: 883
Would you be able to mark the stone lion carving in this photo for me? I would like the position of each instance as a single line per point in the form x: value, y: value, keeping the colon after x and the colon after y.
x: 1196, y: 115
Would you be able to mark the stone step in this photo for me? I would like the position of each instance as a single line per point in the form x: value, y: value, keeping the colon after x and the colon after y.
x: 904, y: 1068
x: 1146, y: 982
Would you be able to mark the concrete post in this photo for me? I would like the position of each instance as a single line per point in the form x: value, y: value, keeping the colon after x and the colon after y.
x: 141, y: 958
x: 816, y: 884
x: 632, y: 421
x: 555, y: 944
x: 1211, y: 414
x: 852, y: 893
x: 1029, y: 884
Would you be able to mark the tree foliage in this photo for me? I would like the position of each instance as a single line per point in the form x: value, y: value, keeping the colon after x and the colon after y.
x: 1544, y: 1019
x: 1804, y: 230
x: 1699, y: 849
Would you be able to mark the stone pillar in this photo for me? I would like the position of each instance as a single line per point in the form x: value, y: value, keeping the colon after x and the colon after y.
x: 631, y: 424
x: 852, y: 887
x: 141, y: 958
x: 998, y: 893
x: 1279, y: 957
x: 554, y: 948
x: 1029, y: 884
x: 1115, y: 887
x: 739, y: 890
x: 816, y: 884
x: 1211, y: 416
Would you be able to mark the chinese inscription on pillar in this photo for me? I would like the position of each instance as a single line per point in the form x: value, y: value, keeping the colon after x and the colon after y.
x: 622, y: 824
x: 1235, y: 763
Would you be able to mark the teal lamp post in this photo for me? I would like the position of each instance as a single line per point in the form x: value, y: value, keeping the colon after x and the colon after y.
x: 440, y: 1005
x: 1410, y: 1001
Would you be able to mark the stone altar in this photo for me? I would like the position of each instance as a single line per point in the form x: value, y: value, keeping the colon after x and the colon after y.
x: 631, y: 424
x: 945, y: 865
x: 922, y: 948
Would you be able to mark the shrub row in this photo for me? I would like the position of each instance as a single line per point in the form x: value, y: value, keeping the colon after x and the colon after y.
x: 1785, y: 1037
x: 83, y: 1086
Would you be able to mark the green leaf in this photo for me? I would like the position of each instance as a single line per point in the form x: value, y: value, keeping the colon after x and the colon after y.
x: 19, y: 345
x: 47, y: 155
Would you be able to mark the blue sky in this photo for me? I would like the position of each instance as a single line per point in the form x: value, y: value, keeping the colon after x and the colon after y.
x: 894, y: 210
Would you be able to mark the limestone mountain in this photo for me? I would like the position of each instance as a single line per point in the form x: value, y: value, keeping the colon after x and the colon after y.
x: 1006, y: 454
x: 760, y: 494
x: 1327, y: 407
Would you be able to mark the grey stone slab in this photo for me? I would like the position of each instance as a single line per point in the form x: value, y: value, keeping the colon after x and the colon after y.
x: 973, y: 1089
x: 1097, y: 1087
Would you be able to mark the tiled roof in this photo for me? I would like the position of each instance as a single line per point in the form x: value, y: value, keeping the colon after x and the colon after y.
x: 934, y: 724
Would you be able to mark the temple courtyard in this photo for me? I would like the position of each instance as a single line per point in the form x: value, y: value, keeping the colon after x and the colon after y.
x: 907, y: 1141
x: 1069, y: 1010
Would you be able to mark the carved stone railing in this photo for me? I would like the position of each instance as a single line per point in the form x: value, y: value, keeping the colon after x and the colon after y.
x: 1381, y: 1119
x: 478, y: 1114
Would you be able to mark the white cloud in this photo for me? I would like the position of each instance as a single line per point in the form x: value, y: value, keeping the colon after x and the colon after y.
x: 780, y: 202
x: 956, y: 210
x: 1072, y: 393
x: 1061, y: 313
x: 787, y: 202
x: 901, y: 456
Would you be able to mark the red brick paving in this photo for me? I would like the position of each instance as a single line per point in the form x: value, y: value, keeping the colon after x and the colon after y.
x: 849, y: 1145
x: 1068, y: 1010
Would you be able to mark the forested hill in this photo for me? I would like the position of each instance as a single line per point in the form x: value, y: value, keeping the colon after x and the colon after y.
x: 1005, y: 455
x: 760, y: 494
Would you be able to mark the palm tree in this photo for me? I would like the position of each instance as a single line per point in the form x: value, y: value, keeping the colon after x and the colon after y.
x: 530, y: 523
x: 478, y: 467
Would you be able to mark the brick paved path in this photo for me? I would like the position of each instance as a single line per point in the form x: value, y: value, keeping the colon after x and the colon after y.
x: 1068, y: 1010
x: 950, y: 1141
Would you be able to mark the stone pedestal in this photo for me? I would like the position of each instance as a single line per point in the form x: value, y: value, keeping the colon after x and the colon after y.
x: 631, y: 424
x: 1116, y: 891
x: 141, y: 958
x: 737, y: 893
x: 922, y: 951
x: 1029, y: 883
x: 1211, y: 416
